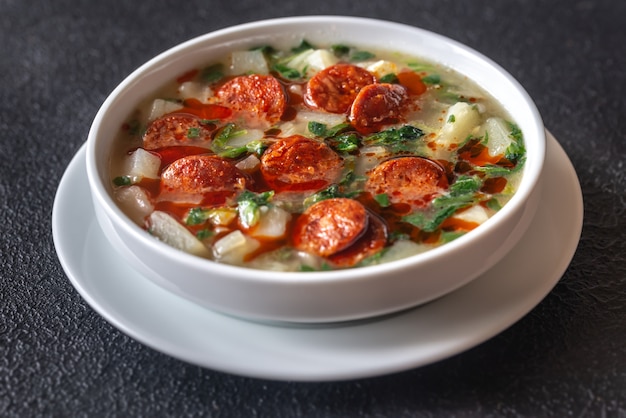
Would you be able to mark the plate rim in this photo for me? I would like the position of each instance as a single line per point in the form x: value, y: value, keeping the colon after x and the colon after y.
x: 316, y: 372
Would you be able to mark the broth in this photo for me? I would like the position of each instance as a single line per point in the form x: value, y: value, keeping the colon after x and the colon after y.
x: 315, y: 158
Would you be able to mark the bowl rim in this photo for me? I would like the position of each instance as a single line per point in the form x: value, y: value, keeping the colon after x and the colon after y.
x: 102, y: 197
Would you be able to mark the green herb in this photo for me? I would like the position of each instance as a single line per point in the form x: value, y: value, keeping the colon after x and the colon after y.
x: 317, y: 129
x: 193, y: 132
x: 358, y: 56
x: 494, y: 204
x: 249, y: 206
x: 286, y: 72
x: 196, y: 216
x: 122, y: 181
x: 390, y: 78
x: 373, y: 259
x: 340, y: 50
x: 306, y: 268
x: 431, y: 79
x: 345, y: 143
x: 421, y: 67
x: 204, y: 234
x: 330, y: 192
x: 461, y: 194
x: 336, y: 136
x: 465, y: 185
x: 398, y: 139
x: 321, y: 130
x: 212, y: 73
x: 448, y: 236
x: 304, y: 45
x: 515, y: 152
x: 451, y: 119
x: 492, y: 170
x: 217, y: 216
x: 266, y: 49
x: 382, y: 199
x: 220, y: 146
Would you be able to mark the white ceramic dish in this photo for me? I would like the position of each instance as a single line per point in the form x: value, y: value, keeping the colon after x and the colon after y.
x: 440, y: 329
x: 316, y: 296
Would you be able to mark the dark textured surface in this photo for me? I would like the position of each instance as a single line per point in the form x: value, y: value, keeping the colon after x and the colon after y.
x: 59, y: 60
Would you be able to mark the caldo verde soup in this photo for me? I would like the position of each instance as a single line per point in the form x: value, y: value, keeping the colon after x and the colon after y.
x: 315, y: 158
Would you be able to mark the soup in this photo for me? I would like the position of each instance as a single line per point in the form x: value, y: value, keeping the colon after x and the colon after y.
x: 316, y: 157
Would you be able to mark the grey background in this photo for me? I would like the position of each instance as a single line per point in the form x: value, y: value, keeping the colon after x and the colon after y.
x: 60, y: 59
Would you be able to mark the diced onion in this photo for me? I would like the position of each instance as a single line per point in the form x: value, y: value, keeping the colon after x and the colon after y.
x: 286, y: 259
x: 460, y: 120
x: 242, y: 139
x: 170, y: 231
x: 249, y: 164
x: 141, y: 164
x: 381, y: 68
x: 318, y: 60
x: 160, y: 107
x: 233, y: 248
x: 498, y: 136
x: 248, y: 62
x: 195, y: 90
x: 475, y: 214
x: 403, y: 249
x: 272, y: 223
x: 135, y: 202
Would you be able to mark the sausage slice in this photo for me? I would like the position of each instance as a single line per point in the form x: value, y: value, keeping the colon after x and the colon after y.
x: 335, y: 88
x: 261, y: 96
x: 297, y: 163
x: 371, y: 242
x: 412, y: 180
x: 330, y: 226
x: 377, y: 105
x: 201, y: 174
x: 176, y: 129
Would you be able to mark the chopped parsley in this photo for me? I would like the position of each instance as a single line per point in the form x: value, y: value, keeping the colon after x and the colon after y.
x: 204, y: 234
x: 249, y: 206
x: 212, y: 73
x: 398, y: 139
x: 286, y: 71
x: 220, y: 146
x: 358, y: 56
x: 390, y: 78
x: 336, y: 136
x: 340, y: 50
x: 431, y: 79
x: 217, y: 216
x: 193, y: 133
x: 462, y: 193
x: 122, y: 181
x: 304, y: 45
x: 382, y: 199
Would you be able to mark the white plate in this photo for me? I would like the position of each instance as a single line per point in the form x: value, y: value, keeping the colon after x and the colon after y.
x: 413, y: 338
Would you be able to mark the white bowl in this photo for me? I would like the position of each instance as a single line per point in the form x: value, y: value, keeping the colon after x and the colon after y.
x: 331, y: 295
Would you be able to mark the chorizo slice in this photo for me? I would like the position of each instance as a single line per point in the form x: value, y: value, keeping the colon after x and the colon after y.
x: 176, y: 129
x: 201, y: 174
x: 261, y: 96
x: 330, y: 226
x: 335, y: 88
x: 373, y: 240
x: 297, y: 163
x: 412, y: 180
x: 377, y: 105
